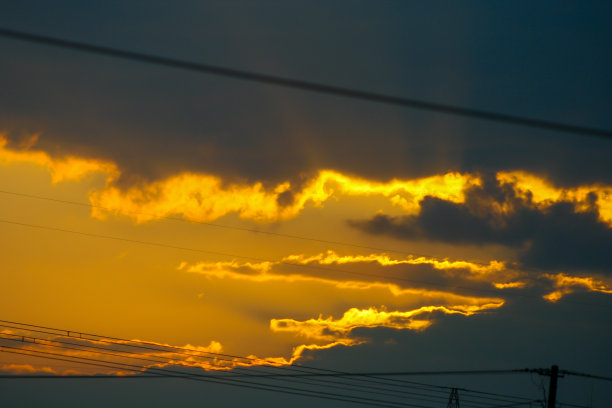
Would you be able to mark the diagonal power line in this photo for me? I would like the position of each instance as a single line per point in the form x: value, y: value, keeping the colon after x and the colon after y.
x: 226, y: 226
x: 308, y: 86
x: 253, y: 258
x: 406, y: 388
x: 187, y: 376
x: 284, y: 262
x: 428, y: 392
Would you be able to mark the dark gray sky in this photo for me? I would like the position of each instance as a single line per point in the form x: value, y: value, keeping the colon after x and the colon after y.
x: 548, y: 61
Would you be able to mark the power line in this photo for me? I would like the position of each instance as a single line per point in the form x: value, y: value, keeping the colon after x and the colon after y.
x: 175, y: 374
x: 225, y: 226
x: 364, y: 377
x: 165, y: 373
x: 567, y: 404
x: 485, y: 393
x: 80, y: 376
x: 65, y: 345
x: 226, y: 381
x: 307, y: 86
x: 281, y: 235
x: 266, y: 376
x: 103, y: 351
x: 596, y: 377
x: 546, y: 371
x: 159, y: 377
x: 307, y: 266
x: 512, y: 401
x: 164, y: 348
x: 225, y: 254
x: 515, y: 404
x: 277, y: 234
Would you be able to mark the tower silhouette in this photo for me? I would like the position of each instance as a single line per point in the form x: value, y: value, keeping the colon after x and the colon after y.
x: 453, y: 399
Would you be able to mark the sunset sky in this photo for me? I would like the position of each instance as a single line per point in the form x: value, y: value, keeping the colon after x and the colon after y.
x: 291, y: 227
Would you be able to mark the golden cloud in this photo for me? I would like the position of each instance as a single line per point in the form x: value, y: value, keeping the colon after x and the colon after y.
x: 566, y: 284
x: 262, y: 272
x: 101, y: 356
x: 109, y: 357
x: 330, y: 330
x: 67, y: 168
x: 331, y: 257
x: 510, y: 285
x: 206, y: 197
x: 26, y: 369
x: 543, y: 194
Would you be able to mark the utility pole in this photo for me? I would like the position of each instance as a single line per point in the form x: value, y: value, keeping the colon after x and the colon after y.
x: 453, y: 399
x: 553, y: 373
x: 552, y: 388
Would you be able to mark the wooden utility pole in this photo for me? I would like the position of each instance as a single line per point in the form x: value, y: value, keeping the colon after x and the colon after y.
x: 552, y: 388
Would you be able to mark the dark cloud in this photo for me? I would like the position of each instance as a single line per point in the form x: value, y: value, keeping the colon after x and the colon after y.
x: 558, y: 236
x: 526, y: 332
x: 155, y: 121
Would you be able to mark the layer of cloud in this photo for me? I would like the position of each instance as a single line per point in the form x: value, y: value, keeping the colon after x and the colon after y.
x: 551, y: 228
x: 205, y: 197
x: 26, y: 369
x: 110, y: 356
x: 565, y: 284
x: 495, y: 274
x: 69, y: 168
x: 157, y: 122
x: 328, y: 329
x: 268, y: 272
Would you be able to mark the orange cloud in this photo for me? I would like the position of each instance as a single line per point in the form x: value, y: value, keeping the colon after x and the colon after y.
x: 331, y: 257
x: 328, y: 329
x: 26, y: 369
x: 262, y: 272
x: 67, y: 168
x: 543, y: 193
x: 510, y: 285
x: 112, y: 352
x: 298, y: 351
x: 566, y: 284
x: 206, y: 197
x: 91, y: 352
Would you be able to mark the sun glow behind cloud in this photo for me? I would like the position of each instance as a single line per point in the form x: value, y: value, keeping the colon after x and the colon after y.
x: 566, y: 284
x: 346, y: 302
x: 331, y: 257
x: 69, y: 168
x: 263, y: 273
x: 542, y: 193
x: 328, y: 329
x: 206, y: 197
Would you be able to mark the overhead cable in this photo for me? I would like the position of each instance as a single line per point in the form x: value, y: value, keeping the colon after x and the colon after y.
x: 299, y: 265
x: 367, y: 377
x: 307, y: 86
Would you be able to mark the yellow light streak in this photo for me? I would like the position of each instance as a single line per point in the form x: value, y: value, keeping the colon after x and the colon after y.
x: 566, y: 284
x: 328, y: 329
x: 263, y: 273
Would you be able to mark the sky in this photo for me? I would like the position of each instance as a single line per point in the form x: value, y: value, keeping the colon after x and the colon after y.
x: 296, y: 228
